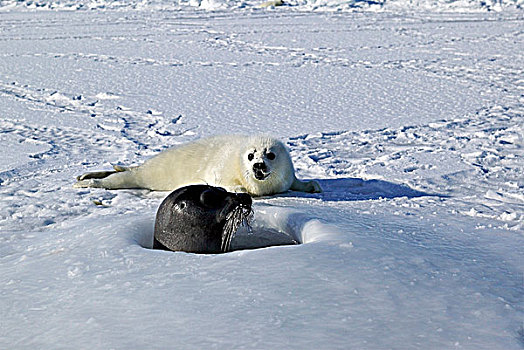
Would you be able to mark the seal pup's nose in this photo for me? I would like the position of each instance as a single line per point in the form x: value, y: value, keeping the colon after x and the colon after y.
x: 260, y: 166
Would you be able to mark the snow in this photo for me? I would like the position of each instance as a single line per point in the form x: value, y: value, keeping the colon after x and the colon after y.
x: 411, y: 120
x: 297, y: 5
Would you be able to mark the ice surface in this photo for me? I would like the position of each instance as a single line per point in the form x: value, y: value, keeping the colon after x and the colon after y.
x: 298, y: 5
x: 411, y: 121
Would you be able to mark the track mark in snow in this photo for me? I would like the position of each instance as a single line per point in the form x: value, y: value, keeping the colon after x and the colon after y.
x: 442, y: 158
x: 144, y: 129
x: 58, y: 155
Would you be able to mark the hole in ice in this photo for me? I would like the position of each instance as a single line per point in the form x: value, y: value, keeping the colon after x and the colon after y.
x: 261, y: 236
x: 272, y: 226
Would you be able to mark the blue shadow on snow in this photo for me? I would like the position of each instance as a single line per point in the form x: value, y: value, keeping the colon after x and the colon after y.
x: 354, y: 189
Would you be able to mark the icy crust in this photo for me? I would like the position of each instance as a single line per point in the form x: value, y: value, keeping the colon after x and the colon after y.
x: 92, y: 282
x: 475, y: 162
x: 300, y: 5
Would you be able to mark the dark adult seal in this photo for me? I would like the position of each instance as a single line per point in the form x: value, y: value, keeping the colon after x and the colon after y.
x: 200, y: 219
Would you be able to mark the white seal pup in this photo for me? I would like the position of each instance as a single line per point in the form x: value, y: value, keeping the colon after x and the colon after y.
x: 258, y: 165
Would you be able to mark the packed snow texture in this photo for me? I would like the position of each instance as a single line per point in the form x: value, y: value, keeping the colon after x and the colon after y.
x: 412, y: 123
x: 296, y: 5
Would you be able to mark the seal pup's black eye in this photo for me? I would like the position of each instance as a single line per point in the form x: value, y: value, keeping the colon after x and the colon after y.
x: 270, y: 156
x: 250, y: 156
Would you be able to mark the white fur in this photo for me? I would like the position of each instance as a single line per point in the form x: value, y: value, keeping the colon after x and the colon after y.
x: 220, y: 161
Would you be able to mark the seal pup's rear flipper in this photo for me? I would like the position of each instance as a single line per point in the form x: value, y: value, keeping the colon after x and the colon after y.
x: 119, y: 178
x: 103, y: 174
x: 95, y: 175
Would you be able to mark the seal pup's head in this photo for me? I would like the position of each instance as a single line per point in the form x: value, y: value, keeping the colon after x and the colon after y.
x: 200, y: 219
x: 267, y: 166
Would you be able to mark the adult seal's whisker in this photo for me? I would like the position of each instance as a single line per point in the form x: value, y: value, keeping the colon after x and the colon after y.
x: 241, y: 215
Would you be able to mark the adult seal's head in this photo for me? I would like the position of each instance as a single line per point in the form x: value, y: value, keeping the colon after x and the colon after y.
x: 200, y: 219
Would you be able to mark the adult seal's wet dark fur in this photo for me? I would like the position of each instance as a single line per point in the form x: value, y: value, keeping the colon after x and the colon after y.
x: 200, y: 219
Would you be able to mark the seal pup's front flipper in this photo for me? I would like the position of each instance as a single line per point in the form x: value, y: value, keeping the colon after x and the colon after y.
x: 270, y: 3
x: 306, y: 186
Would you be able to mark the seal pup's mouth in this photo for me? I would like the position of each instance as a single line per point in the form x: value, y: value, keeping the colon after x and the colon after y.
x: 260, y: 175
x: 260, y: 171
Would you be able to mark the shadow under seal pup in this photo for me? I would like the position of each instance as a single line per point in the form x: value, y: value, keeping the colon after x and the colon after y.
x: 200, y: 219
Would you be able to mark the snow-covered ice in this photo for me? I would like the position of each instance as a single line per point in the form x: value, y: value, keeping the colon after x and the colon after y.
x: 409, y: 114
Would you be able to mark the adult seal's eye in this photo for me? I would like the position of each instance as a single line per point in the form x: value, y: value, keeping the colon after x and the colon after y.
x: 211, y: 198
x: 270, y: 156
x: 250, y: 156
